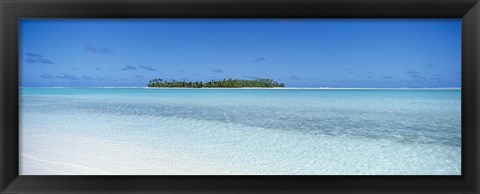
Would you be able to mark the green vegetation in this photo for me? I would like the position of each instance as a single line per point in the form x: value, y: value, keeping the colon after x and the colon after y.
x: 225, y: 83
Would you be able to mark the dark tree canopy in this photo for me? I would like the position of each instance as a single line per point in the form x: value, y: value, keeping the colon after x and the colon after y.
x: 225, y: 83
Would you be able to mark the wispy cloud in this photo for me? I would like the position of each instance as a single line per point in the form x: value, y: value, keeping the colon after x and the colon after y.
x: 45, y: 61
x: 98, y: 50
x: 67, y: 76
x: 37, y: 58
x: 146, y: 67
x: 31, y: 60
x: 46, y: 76
x: 415, y: 75
x: 412, y: 72
x: 128, y: 67
x: 386, y: 77
x: 90, y: 78
x: 259, y: 59
x: 104, y: 50
x: 294, y: 77
x: 217, y: 70
x: 33, y: 55
x: 85, y: 77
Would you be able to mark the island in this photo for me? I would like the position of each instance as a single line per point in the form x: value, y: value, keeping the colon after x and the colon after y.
x: 225, y: 83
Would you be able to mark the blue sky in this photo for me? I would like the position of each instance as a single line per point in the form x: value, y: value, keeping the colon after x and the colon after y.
x: 297, y: 52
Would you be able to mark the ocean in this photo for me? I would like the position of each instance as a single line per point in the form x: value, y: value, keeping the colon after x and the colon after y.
x: 147, y: 131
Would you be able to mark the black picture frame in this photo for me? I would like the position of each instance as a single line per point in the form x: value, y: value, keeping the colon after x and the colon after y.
x: 12, y: 10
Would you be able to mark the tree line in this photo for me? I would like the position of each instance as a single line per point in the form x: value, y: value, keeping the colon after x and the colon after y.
x: 225, y: 83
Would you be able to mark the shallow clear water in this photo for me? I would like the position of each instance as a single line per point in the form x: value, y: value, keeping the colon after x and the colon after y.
x: 239, y: 131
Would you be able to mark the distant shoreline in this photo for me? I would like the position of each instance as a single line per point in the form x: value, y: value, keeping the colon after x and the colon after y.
x: 262, y: 88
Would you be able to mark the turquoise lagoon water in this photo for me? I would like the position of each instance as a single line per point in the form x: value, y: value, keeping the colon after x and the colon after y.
x: 240, y: 131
